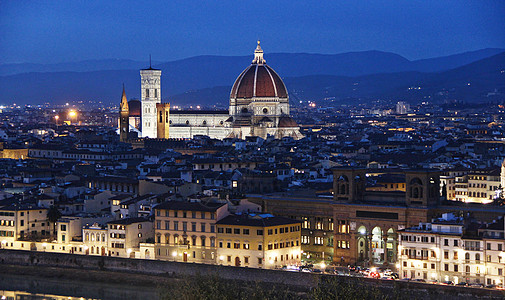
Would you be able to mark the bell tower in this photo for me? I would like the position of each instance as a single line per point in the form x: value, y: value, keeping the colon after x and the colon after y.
x: 124, y: 115
x: 150, y: 91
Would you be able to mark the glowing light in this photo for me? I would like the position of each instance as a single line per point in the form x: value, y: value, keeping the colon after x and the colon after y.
x: 362, y: 231
x: 373, y: 270
x: 86, y: 248
x: 221, y: 257
x: 44, y: 245
x: 397, y: 266
x: 56, y: 117
x: 72, y: 114
x: 174, y: 254
x: 271, y: 261
x: 323, y: 265
x: 129, y: 251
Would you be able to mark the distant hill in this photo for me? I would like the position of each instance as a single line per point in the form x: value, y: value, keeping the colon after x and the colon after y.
x: 202, y: 78
x: 468, y: 83
x: 80, y: 66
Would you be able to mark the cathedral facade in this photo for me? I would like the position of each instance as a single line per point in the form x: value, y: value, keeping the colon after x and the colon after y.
x: 259, y: 106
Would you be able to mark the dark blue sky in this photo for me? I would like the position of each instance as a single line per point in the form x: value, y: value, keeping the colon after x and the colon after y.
x: 61, y: 31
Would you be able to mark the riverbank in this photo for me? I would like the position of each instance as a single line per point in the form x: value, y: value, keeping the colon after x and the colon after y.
x: 63, y: 282
x: 175, y: 277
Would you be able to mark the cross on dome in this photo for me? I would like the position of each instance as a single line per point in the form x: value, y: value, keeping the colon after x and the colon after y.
x: 258, y: 55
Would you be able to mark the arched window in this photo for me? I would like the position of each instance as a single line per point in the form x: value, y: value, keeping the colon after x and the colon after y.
x: 103, y: 237
x: 468, y: 269
x: 415, y: 192
x: 477, y: 256
x: 97, y: 237
x: 467, y: 255
x: 87, y: 236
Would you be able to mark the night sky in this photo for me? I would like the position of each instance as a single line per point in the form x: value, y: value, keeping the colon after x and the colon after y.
x: 63, y: 31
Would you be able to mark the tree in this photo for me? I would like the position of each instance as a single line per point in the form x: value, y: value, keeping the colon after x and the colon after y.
x: 53, y: 214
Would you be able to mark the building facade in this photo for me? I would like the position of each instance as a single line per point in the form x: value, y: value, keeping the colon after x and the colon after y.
x: 445, y: 250
x: 186, y: 231
x: 258, y: 241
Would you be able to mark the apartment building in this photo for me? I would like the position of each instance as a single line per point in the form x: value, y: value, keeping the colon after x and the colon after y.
x: 493, y: 240
x: 95, y: 237
x: 125, y: 236
x: 186, y: 231
x: 23, y: 221
x: 258, y: 241
x: 447, y: 249
x: 477, y: 186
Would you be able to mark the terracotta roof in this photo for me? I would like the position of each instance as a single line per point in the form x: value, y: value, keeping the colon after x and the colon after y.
x: 258, y: 81
x: 287, y: 122
x: 256, y: 221
x: 134, y: 108
x: 190, y: 206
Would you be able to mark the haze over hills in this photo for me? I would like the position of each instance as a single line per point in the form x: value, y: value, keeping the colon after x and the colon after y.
x: 206, y: 79
x: 469, y: 83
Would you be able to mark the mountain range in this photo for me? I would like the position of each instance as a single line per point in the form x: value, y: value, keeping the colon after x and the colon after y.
x: 207, y: 79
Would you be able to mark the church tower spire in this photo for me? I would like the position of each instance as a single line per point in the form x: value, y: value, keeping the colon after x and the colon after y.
x: 124, y: 116
x: 124, y: 102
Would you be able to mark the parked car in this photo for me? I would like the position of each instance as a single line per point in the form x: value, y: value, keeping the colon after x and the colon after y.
x: 462, y: 284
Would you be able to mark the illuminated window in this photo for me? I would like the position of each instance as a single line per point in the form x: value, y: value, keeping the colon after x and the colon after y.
x: 306, y: 223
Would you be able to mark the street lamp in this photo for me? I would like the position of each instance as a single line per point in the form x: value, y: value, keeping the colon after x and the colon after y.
x: 72, y: 115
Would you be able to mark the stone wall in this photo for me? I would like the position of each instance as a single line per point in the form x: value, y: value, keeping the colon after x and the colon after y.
x: 301, y: 280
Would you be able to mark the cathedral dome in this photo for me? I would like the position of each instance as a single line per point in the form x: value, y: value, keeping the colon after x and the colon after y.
x: 258, y: 80
x: 134, y: 106
x: 286, y: 121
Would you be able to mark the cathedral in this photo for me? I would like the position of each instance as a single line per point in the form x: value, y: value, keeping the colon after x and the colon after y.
x: 259, y: 106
